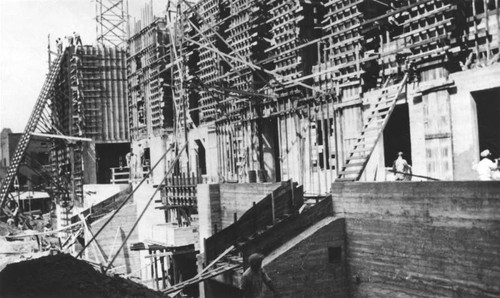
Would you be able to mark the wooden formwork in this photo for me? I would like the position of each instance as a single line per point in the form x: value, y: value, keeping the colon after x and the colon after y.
x: 89, y: 101
x: 150, y: 95
x: 310, y: 71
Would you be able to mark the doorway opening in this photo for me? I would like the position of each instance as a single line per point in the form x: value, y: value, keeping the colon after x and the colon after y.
x: 202, y: 162
x: 397, y: 135
x: 270, y: 162
x: 109, y: 156
x: 488, y: 119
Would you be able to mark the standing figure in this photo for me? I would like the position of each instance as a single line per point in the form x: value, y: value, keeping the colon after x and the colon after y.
x: 69, y: 39
x: 59, y: 45
x: 13, y: 207
x: 485, y: 168
x: 127, y: 158
x: 77, y: 39
x: 140, y: 157
x: 402, y: 170
x: 132, y: 164
x: 254, y: 277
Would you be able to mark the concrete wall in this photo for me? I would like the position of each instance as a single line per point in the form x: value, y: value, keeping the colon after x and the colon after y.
x: 301, y: 268
x: 421, y: 239
x: 238, y: 198
x: 173, y: 235
x: 209, y: 211
x: 112, y: 237
x: 464, y: 117
x: 217, y: 204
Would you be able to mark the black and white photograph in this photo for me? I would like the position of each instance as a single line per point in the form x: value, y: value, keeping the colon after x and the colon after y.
x: 250, y: 148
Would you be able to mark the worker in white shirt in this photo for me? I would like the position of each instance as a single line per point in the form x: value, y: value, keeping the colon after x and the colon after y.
x: 486, y: 167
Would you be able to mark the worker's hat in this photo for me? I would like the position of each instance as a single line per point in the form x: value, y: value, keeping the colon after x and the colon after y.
x: 485, y: 153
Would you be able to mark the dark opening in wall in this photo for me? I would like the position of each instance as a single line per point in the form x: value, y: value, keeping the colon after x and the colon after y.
x: 488, y: 122
x: 334, y: 254
x: 397, y: 135
x: 202, y: 162
x: 109, y: 156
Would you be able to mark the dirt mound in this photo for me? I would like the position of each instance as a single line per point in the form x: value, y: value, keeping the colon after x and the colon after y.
x: 64, y: 276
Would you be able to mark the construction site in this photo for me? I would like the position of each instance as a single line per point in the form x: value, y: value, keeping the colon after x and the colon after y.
x: 343, y: 141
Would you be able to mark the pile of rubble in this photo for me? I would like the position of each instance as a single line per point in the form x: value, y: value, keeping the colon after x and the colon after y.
x: 62, y: 275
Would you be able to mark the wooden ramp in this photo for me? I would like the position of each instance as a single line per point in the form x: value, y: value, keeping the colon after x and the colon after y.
x: 378, y: 116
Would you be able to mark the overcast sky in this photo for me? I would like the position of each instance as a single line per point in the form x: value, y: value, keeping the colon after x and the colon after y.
x: 24, y: 27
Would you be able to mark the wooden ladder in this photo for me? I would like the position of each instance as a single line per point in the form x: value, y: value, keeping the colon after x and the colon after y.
x: 378, y: 116
x: 30, y: 128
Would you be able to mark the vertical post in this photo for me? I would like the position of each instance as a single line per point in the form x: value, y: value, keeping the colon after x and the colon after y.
x: 336, y: 138
x: 72, y: 164
x: 254, y: 215
x: 325, y: 141
x: 272, y: 208
x: 48, y: 51
x: 293, y: 195
x: 474, y: 13
x: 328, y: 140
x: 162, y: 263
x: 309, y: 149
x: 280, y: 148
x: 485, y: 18
x: 174, y: 265
x: 152, y: 269
x: 157, y: 286
x: 497, y: 12
x: 184, y: 97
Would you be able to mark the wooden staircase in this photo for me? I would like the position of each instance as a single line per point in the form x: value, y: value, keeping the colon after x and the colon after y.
x: 378, y: 116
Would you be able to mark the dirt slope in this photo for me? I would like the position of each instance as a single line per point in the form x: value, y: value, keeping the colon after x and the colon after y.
x: 64, y: 276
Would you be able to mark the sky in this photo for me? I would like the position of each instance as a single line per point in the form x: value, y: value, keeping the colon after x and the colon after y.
x: 24, y: 29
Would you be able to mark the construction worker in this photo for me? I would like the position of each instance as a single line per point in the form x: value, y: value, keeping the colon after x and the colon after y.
x: 254, y: 277
x: 140, y: 157
x: 77, y: 39
x: 402, y: 170
x: 128, y: 156
x: 13, y: 208
x: 59, y: 45
x: 69, y: 39
x: 486, y: 167
x: 133, y: 164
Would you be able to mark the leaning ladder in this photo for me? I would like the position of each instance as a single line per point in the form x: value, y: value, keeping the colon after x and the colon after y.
x: 32, y: 125
x: 378, y: 116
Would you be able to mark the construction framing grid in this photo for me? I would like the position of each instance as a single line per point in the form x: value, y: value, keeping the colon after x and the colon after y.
x: 112, y: 22
x: 288, y: 87
x: 88, y: 102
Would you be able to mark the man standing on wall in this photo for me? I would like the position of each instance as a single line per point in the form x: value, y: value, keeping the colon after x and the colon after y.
x: 401, y: 168
x: 254, y: 277
x: 77, y: 39
x: 485, y: 168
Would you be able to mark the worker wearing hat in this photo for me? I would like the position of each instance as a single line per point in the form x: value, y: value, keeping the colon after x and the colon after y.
x: 486, y: 166
x: 254, y: 278
x: 402, y: 170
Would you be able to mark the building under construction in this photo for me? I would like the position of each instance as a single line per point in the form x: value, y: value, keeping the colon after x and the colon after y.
x: 272, y: 127
x: 90, y: 102
x: 319, y: 91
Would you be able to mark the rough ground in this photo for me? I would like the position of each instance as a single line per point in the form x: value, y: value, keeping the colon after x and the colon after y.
x: 64, y: 276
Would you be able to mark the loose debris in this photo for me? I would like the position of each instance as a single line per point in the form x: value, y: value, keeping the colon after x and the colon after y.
x: 62, y: 275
